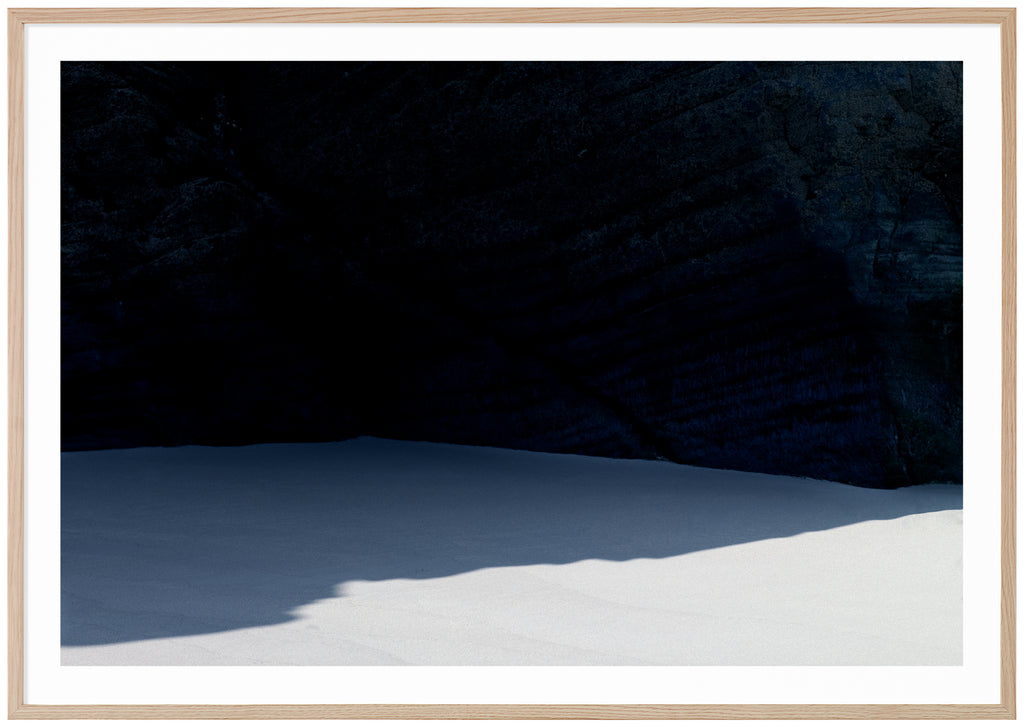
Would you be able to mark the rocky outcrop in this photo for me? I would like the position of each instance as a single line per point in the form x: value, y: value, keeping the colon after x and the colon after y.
x: 744, y: 265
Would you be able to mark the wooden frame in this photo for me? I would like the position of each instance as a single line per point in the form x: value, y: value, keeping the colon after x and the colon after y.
x: 1005, y: 18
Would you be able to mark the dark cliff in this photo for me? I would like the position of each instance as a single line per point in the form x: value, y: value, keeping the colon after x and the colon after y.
x: 743, y: 265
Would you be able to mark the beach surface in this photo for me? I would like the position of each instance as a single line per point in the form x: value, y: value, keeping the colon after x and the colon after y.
x: 381, y: 552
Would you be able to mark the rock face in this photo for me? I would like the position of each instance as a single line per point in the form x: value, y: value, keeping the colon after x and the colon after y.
x: 752, y: 266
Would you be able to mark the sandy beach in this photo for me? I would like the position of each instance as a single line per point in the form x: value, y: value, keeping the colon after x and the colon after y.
x: 378, y: 552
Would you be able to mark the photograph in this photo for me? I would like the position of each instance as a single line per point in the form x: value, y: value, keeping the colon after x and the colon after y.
x: 511, y: 363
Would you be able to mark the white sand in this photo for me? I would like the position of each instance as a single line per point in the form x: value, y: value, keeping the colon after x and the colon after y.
x: 379, y: 552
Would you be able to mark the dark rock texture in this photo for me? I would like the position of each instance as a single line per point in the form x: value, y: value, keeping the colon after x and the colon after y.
x: 753, y: 266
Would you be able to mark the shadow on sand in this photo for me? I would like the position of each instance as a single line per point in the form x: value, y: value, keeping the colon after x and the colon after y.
x: 196, y: 540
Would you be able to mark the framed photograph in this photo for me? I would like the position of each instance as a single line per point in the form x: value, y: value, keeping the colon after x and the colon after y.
x: 500, y: 363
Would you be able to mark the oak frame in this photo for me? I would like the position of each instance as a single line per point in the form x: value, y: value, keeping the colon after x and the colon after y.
x: 17, y: 19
